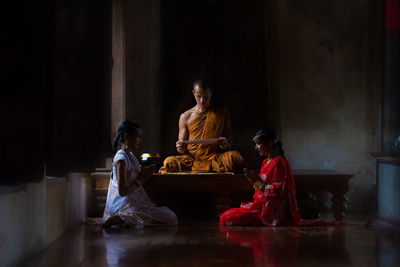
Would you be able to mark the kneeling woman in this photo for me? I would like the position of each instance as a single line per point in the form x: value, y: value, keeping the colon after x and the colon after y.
x: 275, y: 193
x: 127, y: 202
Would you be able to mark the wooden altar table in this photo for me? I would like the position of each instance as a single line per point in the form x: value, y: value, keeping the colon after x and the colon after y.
x: 224, y: 184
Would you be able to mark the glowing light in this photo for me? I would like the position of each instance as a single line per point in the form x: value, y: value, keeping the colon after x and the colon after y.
x: 146, y: 156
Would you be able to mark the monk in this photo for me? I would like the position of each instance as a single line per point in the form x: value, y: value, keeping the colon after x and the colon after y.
x: 204, y: 138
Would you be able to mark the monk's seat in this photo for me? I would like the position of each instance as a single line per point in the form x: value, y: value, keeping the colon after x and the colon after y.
x: 188, y: 191
x: 189, y: 181
x: 224, y: 185
x: 199, y: 196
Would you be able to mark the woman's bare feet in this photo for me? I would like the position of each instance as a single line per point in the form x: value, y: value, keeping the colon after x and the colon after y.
x: 114, y: 220
x: 93, y: 221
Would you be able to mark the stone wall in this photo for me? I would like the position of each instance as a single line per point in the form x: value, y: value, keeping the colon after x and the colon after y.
x: 38, y: 213
x: 323, y: 78
x: 329, y: 113
x: 143, y: 70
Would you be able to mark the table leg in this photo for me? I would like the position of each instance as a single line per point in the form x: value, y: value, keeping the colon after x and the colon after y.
x: 338, y: 205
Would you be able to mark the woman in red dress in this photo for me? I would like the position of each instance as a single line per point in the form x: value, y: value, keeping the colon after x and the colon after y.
x: 275, y: 193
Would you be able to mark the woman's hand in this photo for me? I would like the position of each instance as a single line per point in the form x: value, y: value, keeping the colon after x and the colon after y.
x: 181, y: 147
x: 146, y: 173
x: 251, y: 175
x: 255, y: 181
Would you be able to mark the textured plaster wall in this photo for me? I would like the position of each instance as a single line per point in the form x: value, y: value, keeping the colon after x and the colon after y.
x: 389, y: 189
x: 143, y: 68
x: 34, y: 217
x: 327, y: 113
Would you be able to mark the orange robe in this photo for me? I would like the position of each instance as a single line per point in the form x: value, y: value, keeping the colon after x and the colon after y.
x: 213, y: 123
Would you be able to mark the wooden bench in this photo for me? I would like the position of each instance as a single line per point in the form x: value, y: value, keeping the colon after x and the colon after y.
x: 223, y: 185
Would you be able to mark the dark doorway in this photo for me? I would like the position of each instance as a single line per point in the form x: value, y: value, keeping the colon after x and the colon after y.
x: 222, y: 41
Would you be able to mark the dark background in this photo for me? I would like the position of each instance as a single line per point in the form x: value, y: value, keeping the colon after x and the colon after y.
x: 322, y: 73
x: 224, y: 43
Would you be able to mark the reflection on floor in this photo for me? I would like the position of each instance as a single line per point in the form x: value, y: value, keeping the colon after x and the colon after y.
x: 205, y: 244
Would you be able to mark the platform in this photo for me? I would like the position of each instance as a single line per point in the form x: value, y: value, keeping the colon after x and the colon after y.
x: 226, y: 183
x: 223, y: 185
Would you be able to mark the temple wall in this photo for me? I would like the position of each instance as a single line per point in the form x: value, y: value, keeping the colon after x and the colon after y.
x: 324, y: 86
x: 143, y: 70
x: 329, y: 109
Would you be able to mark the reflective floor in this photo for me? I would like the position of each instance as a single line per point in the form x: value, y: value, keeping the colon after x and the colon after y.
x: 205, y: 244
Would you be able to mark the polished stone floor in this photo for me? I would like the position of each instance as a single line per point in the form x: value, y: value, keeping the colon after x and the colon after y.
x: 205, y: 244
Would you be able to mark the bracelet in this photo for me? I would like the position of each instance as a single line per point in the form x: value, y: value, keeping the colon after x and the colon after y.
x: 268, y: 186
x: 259, y: 185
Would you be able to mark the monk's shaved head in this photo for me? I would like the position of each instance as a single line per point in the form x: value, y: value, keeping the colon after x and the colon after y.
x: 202, y: 85
x: 202, y: 94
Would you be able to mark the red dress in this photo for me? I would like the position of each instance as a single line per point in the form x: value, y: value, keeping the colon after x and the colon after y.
x: 274, y: 207
x: 271, y: 246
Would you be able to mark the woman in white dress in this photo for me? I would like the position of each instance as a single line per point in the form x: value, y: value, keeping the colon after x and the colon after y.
x: 127, y: 202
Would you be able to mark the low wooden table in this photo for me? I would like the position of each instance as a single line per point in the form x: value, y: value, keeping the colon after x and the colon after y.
x: 224, y: 184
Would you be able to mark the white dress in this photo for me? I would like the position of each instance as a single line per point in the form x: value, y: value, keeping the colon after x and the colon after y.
x: 136, y: 208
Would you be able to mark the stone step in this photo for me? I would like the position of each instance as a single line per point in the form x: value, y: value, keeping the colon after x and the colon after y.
x: 100, y: 209
x: 101, y: 179
x: 100, y: 192
x: 101, y: 199
x: 104, y: 165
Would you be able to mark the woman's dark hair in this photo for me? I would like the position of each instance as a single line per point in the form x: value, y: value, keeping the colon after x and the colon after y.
x: 265, y: 135
x: 129, y: 127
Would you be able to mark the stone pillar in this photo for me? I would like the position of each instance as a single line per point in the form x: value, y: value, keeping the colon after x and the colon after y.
x: 118, y: 106
x: 143, y: 56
